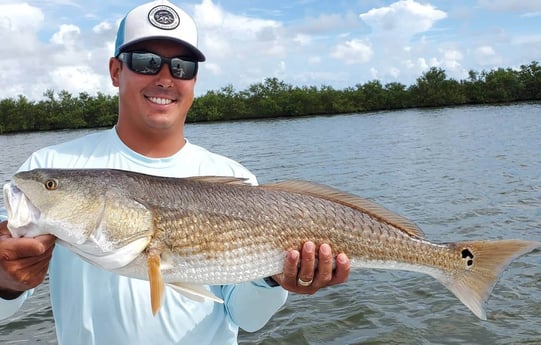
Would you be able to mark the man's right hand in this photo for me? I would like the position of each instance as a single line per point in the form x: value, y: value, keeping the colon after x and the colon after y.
x: 23, y: 262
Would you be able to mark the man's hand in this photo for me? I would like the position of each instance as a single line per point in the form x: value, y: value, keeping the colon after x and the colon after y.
x: 308, y: 278
x: 23, y: 262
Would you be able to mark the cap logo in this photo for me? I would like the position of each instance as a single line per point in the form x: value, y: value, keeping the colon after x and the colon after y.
x: 163, y: 17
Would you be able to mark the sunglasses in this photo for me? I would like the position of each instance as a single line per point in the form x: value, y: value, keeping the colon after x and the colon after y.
x: 148, y: 63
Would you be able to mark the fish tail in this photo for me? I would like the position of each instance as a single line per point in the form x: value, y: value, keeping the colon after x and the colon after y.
x: 483, y: 261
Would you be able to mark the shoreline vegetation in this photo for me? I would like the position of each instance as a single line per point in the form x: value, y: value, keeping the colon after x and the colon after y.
x: 274, y: 98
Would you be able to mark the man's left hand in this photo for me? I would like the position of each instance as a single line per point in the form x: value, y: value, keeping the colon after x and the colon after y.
x: 308, y: 277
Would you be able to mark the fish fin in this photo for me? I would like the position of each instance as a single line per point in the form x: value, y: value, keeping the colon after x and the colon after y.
x: 366, y: 206
x: 196, y: 292
x: 221, y: 180
x: 157, y: 285
x: 484, y: 262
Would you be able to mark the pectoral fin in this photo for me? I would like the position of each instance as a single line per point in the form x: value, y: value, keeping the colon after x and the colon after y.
x: 196, y: 292
x: 157, y: 286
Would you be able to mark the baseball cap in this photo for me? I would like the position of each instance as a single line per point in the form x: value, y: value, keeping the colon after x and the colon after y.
x: 158, y: 20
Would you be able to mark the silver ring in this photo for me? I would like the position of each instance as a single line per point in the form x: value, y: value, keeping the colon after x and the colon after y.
x: 303, y: 283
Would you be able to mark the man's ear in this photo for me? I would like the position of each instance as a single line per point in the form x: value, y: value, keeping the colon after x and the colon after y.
x: 114, y: 70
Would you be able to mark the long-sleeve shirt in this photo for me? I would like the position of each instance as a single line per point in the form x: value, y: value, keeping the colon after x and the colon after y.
x: 95, y: 307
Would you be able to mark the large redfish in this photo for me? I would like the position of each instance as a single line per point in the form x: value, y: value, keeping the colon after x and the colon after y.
x: 189, y: 232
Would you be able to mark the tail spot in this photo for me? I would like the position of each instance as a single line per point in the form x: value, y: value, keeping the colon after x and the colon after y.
x: 467, y: 254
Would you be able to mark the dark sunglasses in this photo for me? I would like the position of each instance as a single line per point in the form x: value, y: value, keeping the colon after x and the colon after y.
x: 150, y: 64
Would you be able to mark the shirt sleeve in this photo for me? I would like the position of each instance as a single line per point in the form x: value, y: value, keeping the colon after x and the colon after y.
x: 10, y: 307
x: 251, y: 305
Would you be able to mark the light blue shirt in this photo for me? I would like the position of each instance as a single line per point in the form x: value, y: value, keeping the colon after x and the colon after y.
x: 96, y: 307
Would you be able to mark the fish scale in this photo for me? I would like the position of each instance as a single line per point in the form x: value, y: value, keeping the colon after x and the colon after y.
x: 185, y: 232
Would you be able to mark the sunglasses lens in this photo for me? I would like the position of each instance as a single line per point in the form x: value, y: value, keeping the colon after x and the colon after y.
x: 183, y: 69
x: 150, y: 64
x: 146, y: 63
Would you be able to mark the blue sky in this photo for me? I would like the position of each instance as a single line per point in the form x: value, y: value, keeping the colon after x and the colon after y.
x: 66, y: 44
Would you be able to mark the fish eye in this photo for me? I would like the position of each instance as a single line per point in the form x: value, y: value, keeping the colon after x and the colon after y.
x: 51, y: 184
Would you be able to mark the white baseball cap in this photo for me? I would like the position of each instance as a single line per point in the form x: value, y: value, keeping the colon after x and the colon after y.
x: 158, y: 20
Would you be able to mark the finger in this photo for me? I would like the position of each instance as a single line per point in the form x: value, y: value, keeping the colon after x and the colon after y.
x: 308, y: 259
x: 33, y: 261
x: 48, y: 241
x: 26, y: 273
x: 324, y: 273
x: 288, y: 278
x: 18, y: 248
x: 4, y: 231
x: 343, y: 267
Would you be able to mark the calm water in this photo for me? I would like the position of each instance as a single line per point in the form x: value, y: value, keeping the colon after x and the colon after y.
x: 459, y: 173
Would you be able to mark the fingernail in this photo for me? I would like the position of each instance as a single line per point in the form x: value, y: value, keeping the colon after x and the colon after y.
x: 325, y: 249
x: 293, y: 255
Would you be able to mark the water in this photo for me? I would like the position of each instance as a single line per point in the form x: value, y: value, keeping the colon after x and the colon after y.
x: 459, y: 173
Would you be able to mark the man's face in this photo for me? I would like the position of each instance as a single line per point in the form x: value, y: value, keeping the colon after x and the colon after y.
x: 153, y: 104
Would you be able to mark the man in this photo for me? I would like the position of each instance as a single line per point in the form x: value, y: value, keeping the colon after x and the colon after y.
x: 155, y: 69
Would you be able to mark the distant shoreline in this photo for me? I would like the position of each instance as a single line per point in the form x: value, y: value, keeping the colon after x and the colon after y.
x: 273, y: 98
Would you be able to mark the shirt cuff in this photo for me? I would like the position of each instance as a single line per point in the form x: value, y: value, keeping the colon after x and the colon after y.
x: 10, y: 307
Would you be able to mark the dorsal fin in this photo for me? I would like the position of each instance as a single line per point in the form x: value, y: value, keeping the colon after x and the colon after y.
x: 221, y: 179
x: 350, y: 200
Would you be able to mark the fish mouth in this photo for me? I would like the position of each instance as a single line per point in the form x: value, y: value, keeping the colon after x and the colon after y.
x: 23, y: 216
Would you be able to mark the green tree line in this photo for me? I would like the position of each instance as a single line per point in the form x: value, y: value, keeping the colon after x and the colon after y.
x: 275, y: 98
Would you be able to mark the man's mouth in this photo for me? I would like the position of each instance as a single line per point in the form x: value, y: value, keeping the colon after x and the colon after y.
x: 160, y: 100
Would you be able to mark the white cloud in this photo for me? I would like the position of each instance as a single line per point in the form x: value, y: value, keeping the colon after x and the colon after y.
x: 314, y: 60
x: 398, y: 39
x: 103, y: 27
x: 20, y: 17
x: 67, y: 35
x: 374, y: 73
x: 486, y: 55
x: 394, y: 72
x: 321, y: 24
x: 451, y: 58
x: 353, y: 51
x: 19, y: 25
x: 402, y: 18
x: 485, y: 51
x: 244, y: 44
x: 78, y: 79
x: 226, y: 35
x: 303, y: 39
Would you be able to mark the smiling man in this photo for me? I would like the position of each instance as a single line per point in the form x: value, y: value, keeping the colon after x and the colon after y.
x: 155, y: 67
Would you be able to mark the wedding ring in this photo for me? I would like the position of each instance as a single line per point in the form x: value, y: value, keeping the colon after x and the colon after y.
x: 303, y: 283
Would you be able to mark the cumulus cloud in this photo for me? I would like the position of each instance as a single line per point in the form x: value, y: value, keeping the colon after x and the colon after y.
x: 486, y: 55
x: 398, y: 38
x: 20, y: 17
x: 64, y: 60
x: 19, y: 25
x: 402, y: 18
x: 226, y: 36
x: 353, y: 51
x: 75, y: 78
x: 321, y: 24
x: 61, y: 44
x: 67, y: 35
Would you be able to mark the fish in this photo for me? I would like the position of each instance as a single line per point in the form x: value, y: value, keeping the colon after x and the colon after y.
x: 212, y: 230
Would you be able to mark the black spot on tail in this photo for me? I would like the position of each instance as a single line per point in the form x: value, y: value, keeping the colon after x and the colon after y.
x: 467, y: 254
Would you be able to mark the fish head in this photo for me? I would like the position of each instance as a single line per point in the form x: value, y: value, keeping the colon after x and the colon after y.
x: 47, y: 201
x: 87, y: 210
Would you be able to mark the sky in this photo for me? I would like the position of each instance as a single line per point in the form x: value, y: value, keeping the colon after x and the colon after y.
x: 66, y: 44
